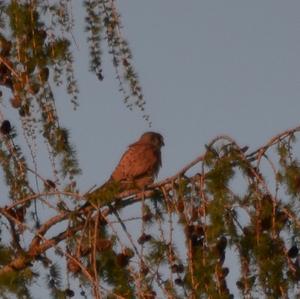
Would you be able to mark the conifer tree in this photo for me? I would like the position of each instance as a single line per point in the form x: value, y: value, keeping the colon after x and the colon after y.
x: 187, y: 225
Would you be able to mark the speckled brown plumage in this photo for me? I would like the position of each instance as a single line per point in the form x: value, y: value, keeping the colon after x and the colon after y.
x: 140, y: 164
x: 137, y: 168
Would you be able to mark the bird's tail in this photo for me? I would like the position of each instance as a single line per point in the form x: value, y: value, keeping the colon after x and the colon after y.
x: 102, y: 195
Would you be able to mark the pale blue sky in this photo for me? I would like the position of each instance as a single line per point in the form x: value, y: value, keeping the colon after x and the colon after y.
x: 206, y: 68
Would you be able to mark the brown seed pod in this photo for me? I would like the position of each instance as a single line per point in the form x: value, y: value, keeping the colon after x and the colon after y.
x: 199, y: 230
x: 178, y: 281
x: 147, y: 217
x: 125, y: 62
x: 240, y: 285
x: 144, y: 238
x: 267, y: 199
x: 5, y: 47
x: 221, y: 245
x: 174, y: 268
x: 100, y: 75
x: 180, y: 268
x: 5, y: 127
x: 189, y: 230
x: 293, y: 251
x: 103, y: 244
x: 44, y: 74
x: 122, y: 260
x: 69, y: 293
x: 16, y: 102
x: 128, y: 252
x: 180, y: 206
x: 281, y: 217
x: 225, y: 271
x: 177, y: 268
x: 49, y: 184
x: 42, y: 34
x: 196, y: 240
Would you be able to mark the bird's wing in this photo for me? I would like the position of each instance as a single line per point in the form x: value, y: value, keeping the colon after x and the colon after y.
x: 139, y: 160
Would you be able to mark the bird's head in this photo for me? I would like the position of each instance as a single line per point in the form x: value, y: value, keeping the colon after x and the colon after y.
x: 153, y: 138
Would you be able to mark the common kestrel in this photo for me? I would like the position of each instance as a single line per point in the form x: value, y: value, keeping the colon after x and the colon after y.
x: 138, y: 166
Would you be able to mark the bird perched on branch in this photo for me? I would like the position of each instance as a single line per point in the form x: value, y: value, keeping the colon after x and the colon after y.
x: 137, y: 168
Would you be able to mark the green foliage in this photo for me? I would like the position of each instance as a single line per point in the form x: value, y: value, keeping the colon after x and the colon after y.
x: 5, y: 255
x: 157, y: 252
x: 103, y: 24
x: 222, y: 171
x: 271, y: 265
x: 94, y: 28
x: 290, y: 176
x: 28, y: 63
x: 15, y: 171
x: 113, y: 274
x: 17, y: 283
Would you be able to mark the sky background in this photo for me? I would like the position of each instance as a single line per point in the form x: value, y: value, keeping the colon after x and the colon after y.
x: 206, y: 68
